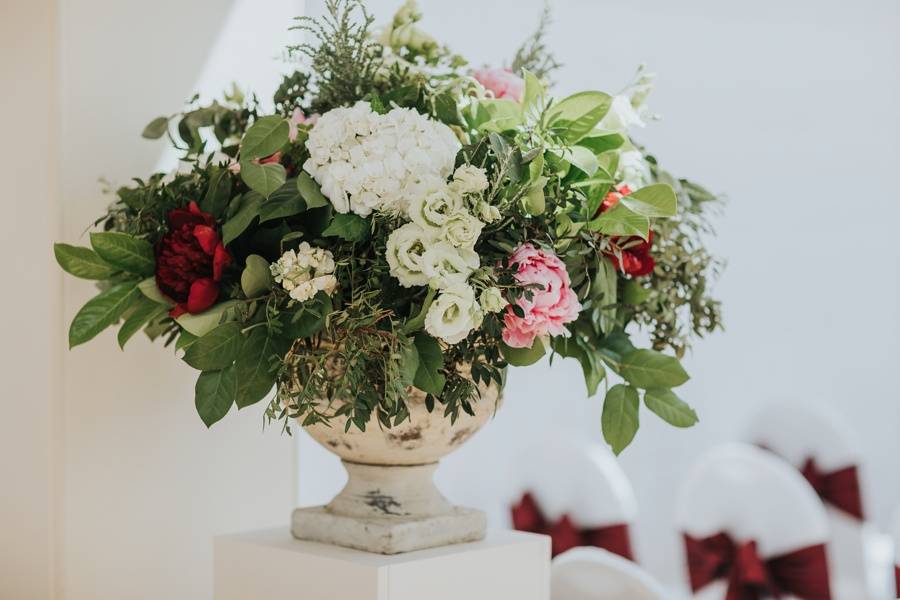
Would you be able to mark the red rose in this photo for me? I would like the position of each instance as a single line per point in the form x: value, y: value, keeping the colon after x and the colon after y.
x: 190, y: 259
x: 636, y: 260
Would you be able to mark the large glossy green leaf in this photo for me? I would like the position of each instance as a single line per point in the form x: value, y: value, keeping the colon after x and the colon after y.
x: 670, y: 408
x: 218, y: 194
x: 523, y: 357
x: 498, y: 114
x: 649, y: 369
x: 582, y: 158
x: 254, y: 366
x: 202, y: 323
x: 657, y: 200
x: 145, y: 311
x: 284, y: 202
x: 263, y: 179
x: 604, y: 290
x: 150, y: 290
x: 428, y: 377
x: 534, y: 92
x: 101, y: 311
x: 217, y: 349
x: 82, y: 262
x: 310, y: 191
x: 619, y: 220
x: 307, y: 319
x: 578, y: 114
x: 214, y: 394
x: 124, y: 252
x: 620, y: 420
x: 601, y: 143
x: 266, y: 136
x: 251, y: 204
x: 256, y: 278
x: 349, y: 227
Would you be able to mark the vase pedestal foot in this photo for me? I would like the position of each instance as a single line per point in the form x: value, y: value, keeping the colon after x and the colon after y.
x: 389, y: 510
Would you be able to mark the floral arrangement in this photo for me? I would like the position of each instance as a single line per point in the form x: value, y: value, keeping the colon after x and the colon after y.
x: 401, y: 220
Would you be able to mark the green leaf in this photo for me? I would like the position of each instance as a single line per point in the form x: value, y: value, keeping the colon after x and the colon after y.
x: 284, y: 202
x: 125, y: 252
x: 634, y: 293
x: 251, y: 204
x: 589, y: 359
x: 620, y: 416
x: 578, y: 114
x: 428, y: 377
x: 581, y: 158
x: 310, y: 191
x: 648, y: 369
x: 202, y: 323
x: 535, y: 201
x: 307, y: 319
x: 670, y: 408
x: 82, y: 262
x: 146, y: 311
x: 265, y: 137
x: 218, y: 194
x: 534, y: 92
x: 446, y: 109
x: 409, y: 362
x: 522, y: 357
x: 214, y: 394
x: 156, y: 128
x: 150, y: 290
x: 217, y: 349
x: 185, y: 339
x: 604, y: 290
x: 657, y: 200
x: 264, y: 179
x: 349, y: 227
x: 498, y: 114
x: 598, y: 144
x: 253, y: 367
x: 101, y: 311
x: 619, y: 220
x: 256, y: 277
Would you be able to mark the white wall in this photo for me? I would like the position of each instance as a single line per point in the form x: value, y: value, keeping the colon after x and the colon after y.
x: 790, y: 108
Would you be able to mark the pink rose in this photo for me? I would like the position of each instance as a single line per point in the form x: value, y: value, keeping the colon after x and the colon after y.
x: 551, y: 306
x: 503, y: 82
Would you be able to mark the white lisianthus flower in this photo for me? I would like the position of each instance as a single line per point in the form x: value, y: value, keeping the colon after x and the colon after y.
x: 446, y: 266
x: 462, y: 229
x: 633, y: 169
x: 492, y: 300
x: 469, y: 179
x: 405, y: 247
x: 453, y: 314
x: 622, y: 116
x: 487, y: 212
x: 305, y: 272
x: 433, y: 208
x: 366, y: 162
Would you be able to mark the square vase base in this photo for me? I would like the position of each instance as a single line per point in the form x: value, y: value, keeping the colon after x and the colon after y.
x: 388, y: 535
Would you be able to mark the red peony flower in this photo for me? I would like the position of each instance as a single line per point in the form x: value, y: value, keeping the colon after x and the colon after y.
x: 190, y: 259
x: 636, y: 260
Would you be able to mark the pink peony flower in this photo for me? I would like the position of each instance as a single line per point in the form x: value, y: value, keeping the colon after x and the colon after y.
x: 551, y: 306
x: 503, y: 82
x: 299, y: 118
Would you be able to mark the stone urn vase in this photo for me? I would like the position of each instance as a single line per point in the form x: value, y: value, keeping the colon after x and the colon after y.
x: 390, y: 503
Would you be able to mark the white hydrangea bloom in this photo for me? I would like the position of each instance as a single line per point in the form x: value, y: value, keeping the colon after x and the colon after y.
x: 633, y: 169
x: 446, y: 266
x: 364, y: 161
x: 305, y: 272
x: 454, y: 314
x: 405, y: 247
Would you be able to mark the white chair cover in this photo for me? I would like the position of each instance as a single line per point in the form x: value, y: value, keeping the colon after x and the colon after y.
x: 570, y: 475
x: 595, y: 574
x: 798, y: 431
x: 749, y: 494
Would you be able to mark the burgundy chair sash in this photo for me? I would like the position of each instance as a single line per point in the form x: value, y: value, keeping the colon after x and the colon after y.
x: 802, y: 573
x: 564, y: 534
x: 838, y: 488
x: 897, y: 579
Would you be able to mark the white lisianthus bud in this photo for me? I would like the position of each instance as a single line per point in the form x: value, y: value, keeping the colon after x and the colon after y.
x: 469, y: 179
x: 462, y: 229
x: 405, y: 249
x: 492, y: 300
x: 431, y: 209
x: 453, y: 314
x: 487, y: 212
x: 305, y: 272
x: 622, y: 116
x: 446, y: 266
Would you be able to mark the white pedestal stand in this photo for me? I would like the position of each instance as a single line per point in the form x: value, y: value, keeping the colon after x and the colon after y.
x: 272, y: 565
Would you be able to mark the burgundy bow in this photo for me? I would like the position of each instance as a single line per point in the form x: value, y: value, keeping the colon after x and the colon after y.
x: 564, y: 535
x: 839, y: 488
x: 802, y: 573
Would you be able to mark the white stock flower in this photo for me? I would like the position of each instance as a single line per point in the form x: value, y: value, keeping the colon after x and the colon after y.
x: 453, y: 314
x: 469, y: 179
x: 431, y: 208
x: 305, y: 272
x: 445, y: 266
x: 462, y: 229
x: 622, y: 116
x: 633, y: 169
x: 405, y: 247
x: 492, y: 300
x: 366, y: 162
